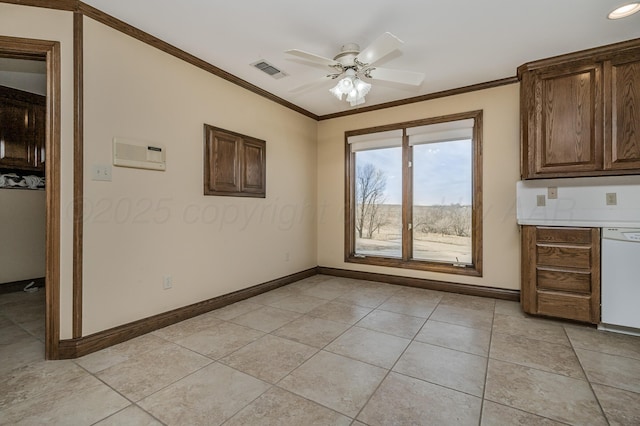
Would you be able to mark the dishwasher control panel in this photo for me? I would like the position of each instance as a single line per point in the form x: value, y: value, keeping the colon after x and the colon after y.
x: 632, y: 236
x: 621, y: 234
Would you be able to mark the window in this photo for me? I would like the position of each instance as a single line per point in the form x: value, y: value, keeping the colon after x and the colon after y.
x: 234, y: 164
x: 414, y: 195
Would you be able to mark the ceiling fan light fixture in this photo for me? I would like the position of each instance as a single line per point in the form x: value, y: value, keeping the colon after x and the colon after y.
x: 346, y: 84
x: 624, y: 10
x: 362, y: 87
x: 335, y: 91
x: 354, y: 89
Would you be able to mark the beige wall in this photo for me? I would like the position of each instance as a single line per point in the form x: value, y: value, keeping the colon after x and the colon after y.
x: 54, y: 25
x: 500, y: 173
x: 147, y: 224
x: 22, y: 232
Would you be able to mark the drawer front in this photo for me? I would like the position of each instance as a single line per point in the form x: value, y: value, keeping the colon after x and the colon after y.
x: 563, y: 235
x: 564, y: 256
x: 571, y: 281
x: 567, y: 306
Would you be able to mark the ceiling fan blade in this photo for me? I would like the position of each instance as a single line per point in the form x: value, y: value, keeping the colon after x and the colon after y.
x: 311, y: 57
x: 380, y: 48
x: 311, y: 85
x: 397, y: 76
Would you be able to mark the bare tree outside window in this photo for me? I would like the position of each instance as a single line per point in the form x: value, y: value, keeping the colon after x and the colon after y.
x: 371, y: 183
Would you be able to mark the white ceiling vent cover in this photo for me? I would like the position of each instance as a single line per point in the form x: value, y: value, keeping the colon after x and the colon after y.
x: 269, y: 69
x: 139, y: 154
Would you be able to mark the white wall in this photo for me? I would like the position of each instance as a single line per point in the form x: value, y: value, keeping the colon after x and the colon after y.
x: 54, y: 25
x: 147, y: 224
x: 22, y: 234
x: 501, y: 166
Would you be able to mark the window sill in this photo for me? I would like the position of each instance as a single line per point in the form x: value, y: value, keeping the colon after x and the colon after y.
x: 421, y: 265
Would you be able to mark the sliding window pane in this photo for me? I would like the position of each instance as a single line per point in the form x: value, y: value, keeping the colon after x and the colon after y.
x: 378, y: 202
x: 442, y: 201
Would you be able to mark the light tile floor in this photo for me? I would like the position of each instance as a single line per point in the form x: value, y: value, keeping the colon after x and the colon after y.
x: 328, y: 351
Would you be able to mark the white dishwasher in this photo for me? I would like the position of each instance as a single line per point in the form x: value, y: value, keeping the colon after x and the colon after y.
x: 620, y: 284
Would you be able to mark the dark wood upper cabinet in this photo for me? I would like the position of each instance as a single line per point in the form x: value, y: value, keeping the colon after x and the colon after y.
x: 580, y: 113
x: 622, y: 103
x: 22, y: 130
x: 234, y: 164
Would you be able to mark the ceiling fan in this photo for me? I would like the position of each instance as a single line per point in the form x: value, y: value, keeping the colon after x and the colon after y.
x: 352, y: 65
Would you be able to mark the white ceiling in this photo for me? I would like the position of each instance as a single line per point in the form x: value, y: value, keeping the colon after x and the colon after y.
x: 454, y: 42
x: 22, y: 74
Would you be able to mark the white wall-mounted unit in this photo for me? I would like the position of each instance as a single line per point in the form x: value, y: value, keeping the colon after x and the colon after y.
x: 139, y: 154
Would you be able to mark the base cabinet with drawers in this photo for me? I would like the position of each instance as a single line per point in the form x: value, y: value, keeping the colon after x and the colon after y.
x: 561, y: 272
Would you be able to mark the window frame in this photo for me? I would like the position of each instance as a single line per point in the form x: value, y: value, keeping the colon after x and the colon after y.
x: 407, y: 262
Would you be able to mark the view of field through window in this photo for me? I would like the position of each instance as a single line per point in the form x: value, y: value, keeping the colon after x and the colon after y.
x: 442, y: 196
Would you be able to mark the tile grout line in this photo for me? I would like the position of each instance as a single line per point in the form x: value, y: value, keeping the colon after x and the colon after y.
x: 323, y: 349
x: 134, y: 403
x: 517, y: 364
x: 604, y: 415
x: 543, y: 371
x: 393, y: 366
x: 486, y: 368
x: 276, y: 384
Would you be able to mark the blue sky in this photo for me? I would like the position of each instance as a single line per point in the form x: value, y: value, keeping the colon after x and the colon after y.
x: 442, y: 172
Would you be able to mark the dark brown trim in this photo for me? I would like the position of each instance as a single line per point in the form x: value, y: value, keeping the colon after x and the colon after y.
x: 144, y: 37
x: 468, y: 289
x: 596, y: 54
x: 49, y: 4
x: 78, y: 172
x: 50, y: 51
x: 52, y: 173
x: 422, y: 98
x: 74, y: 348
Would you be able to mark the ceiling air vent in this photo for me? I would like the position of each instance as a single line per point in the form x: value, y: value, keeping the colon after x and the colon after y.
x: 267, y: 68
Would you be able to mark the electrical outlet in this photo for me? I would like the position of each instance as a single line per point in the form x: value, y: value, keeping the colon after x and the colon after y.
x: 286, y: 256
x: 101, y: 172
x: 167, y: 282
x: 612, y: 198
x: 540, y: 200
x: 552, y: 192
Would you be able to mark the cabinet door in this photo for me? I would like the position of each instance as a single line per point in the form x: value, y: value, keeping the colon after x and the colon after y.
x: 17, y: 135
x: 253, y: 167
x: 564, y: 125
x: 223, y: 163
x: 622, y: 119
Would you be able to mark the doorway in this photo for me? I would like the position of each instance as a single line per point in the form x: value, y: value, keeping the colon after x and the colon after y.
x: 47, y: 52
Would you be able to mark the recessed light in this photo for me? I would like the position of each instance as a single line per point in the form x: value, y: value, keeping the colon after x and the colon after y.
x: 624, y: 11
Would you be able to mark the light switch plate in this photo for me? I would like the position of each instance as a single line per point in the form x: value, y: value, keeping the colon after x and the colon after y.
x: 612, y: 198
x: 101, y: 172
x: 552, y: 192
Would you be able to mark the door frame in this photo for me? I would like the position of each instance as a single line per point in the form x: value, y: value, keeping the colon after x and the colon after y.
x: 49, y: 51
